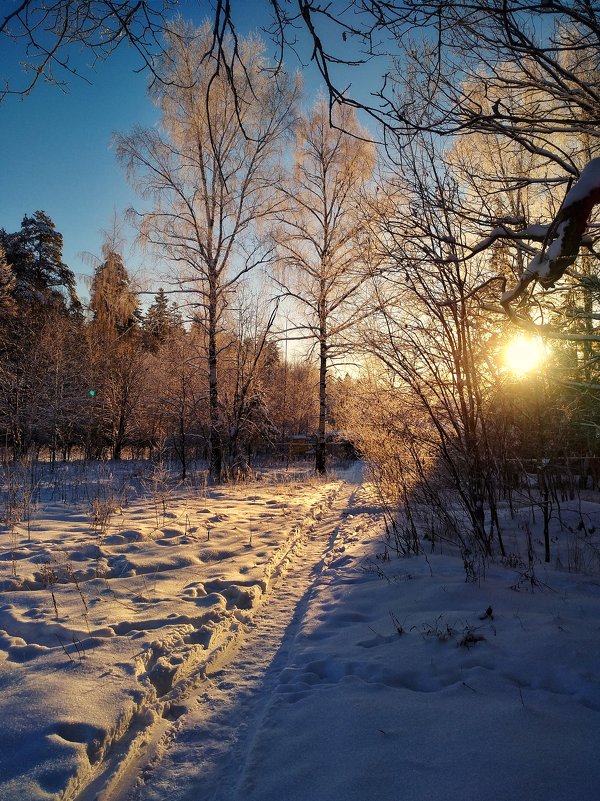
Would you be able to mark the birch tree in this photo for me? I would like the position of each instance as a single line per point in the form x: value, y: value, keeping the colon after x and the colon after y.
x: 209, y: 173
x: 322, y: 240
x: 249, y: 357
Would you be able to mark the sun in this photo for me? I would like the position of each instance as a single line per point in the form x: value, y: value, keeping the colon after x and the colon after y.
x: 524, y: 353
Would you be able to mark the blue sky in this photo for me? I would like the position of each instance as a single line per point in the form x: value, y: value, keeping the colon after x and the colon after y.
x: 58, y: 156
x: 57, y: 150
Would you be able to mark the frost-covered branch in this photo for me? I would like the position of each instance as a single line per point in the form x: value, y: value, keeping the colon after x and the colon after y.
x: 564, y: 237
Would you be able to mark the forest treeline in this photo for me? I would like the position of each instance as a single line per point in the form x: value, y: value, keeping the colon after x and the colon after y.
x: 108, y: 379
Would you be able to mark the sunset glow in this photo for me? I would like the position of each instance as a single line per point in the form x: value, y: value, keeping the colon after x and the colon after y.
x: 524, y: 353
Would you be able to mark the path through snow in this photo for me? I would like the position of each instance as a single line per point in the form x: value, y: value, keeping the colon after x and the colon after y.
x: 201, y: 754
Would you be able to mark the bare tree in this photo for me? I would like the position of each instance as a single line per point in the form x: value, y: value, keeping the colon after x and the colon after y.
x: 540, y: 49
x: 434, y: 343
x: 525, y: 72
x: 209, y: 173
x: 248, y: 361
x: 46, y: 37
x: 176, y: 410
x: 323, y: 240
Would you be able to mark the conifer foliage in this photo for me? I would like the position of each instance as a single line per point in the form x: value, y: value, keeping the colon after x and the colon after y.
x: 7, y: 288
x: 35, y: 256
x: 113, y: 302
x: 113, y: 381
x: 160, y: 321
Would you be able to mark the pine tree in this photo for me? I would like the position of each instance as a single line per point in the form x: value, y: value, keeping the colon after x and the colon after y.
x: 35, y: 255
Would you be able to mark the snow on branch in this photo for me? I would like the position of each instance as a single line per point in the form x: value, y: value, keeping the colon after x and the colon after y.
x: 533, y: 233
x: 564, y: 235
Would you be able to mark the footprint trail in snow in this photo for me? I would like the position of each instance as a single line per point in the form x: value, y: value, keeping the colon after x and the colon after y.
x: 201, y: 755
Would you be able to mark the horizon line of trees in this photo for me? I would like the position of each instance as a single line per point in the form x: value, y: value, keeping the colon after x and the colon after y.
x: 108, y: 379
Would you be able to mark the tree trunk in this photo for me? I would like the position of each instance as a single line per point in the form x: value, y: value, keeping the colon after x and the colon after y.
x: 216, y: 445
x: 321, y: 448
x: 119, y: 437
x: 182, y: 446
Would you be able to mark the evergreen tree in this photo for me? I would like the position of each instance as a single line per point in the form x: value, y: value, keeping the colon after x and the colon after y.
x: 35, y: 255
x: 7, y: 288
x: 161, y: 320
x: 113, y: 302
x: 116, y: 367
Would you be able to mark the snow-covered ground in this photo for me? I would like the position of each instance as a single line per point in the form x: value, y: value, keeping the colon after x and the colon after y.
x: 252, y: 642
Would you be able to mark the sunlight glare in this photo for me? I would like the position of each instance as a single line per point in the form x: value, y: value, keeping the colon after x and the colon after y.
x: 524, y: 353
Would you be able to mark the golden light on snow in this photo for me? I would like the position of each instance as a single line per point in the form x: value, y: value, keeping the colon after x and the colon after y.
x: 524, y: 353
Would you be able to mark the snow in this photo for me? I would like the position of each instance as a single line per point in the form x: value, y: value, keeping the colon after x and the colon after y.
x: 380, y: 715
x: 587, y: 183
x: 256, y: 642
x: 546, y: 266
x: 530, y: 232
x: 543, y: 264
x: 143, y: 603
